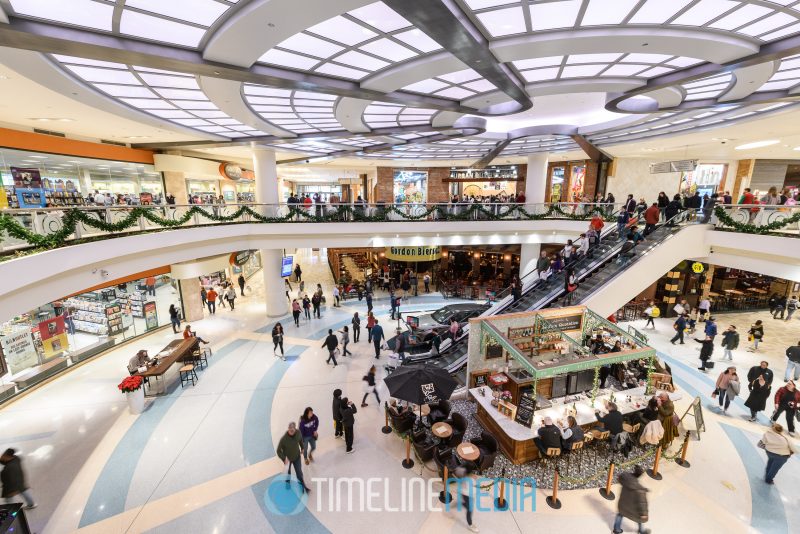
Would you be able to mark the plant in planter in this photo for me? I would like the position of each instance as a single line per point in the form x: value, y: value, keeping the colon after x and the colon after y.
x: 131, y: 384
x: 134, y: 393
x: 505, y: 396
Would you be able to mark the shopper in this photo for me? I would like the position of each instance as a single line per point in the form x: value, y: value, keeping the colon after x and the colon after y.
x: 759, y: 393
x: 298, y: 273
x: 287, y: 287
x: 377, y: 337
x: 211, y: 297
x: 704, y: 309
x: 730, y: 341
x: 570, y: 434
x: 756, y: 334
x: 370, y: 323
x: 680, y: 326
x: 230, y: 296
x: 277, y: 340
x: 221, y: 296
x: 150, y: 284
x: 727, y: 388
x: 780, y: 307
x: 651, y: 218
x: 369, y: 300
x: 792, y: 363
x: 791, y: 306
x: 369, y: 386
x: 652, y: 312
x: 348, y: 411
x: 778, y: 448
x: 316, y: 302
x: 705, y: 352
x: 331, y: 343
x: 241, y: 284
x: 426, y: 280
x: 786, y: 400
x: 666, y: 412
x: 570, y: 286
x: 335, y: 296
x: 296, y: 312
x: 465, y: 485
x: 13, y: 480
x: 188, y: 333
x: 309, y: 423
x: 632, y: 501
x: 203, y: 296
x: 345, y: 341
x: 338, y: 430
x: 394, y: 303
x: 548, y: 437
x: 672, y: 209
x: 356, y: 323
x: 289, y: 449
x: 174, y: 318
x: 307, y: 307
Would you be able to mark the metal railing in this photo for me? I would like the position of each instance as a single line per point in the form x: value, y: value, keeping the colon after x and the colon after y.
x: 757, y: 218
x: 55, y: 227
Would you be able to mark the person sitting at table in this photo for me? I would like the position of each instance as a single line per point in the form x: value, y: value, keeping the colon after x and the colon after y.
x: 571, y: 434
x: 611, y: 421
x: 549, y: 437
x: 617, y: 347
x: 139, y: 360
x: 187, y: 333
x: 598, y: 345
x: 403, y: 412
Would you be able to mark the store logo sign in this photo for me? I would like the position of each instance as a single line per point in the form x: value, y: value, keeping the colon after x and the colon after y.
x: 413, y: 253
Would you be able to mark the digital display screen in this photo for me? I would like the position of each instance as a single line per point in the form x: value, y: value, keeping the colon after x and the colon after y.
x: 286, y: 266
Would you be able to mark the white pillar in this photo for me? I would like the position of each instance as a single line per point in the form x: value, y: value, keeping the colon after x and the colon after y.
x: 266, y: 173
x: 276, y: 302
x: 535, y: 183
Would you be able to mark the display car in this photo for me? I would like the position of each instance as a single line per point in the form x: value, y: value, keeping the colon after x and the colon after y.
x: 425, y: 325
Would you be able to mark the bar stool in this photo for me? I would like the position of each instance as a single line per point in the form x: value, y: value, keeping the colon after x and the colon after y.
x: 576, y: 446
x: 187, y: 374
x: 632, y: 430
x: 599, y: 436
x: 550, y: 454
x: 587, y: 440
x: 199, y: 359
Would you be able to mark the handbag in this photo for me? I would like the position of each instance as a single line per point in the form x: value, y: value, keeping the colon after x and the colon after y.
x: 571, y: 288
x: 715, y: 393
x: 761, y: 445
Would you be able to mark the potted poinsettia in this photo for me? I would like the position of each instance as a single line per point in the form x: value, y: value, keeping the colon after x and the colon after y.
x: 505, y: 396
x: 133, y: 388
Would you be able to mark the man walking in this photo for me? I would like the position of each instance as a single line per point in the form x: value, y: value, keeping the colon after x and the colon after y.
x: 792, y: 363
x: 338, y: 430
x: 289, y: 449
x: 13, y: 479
x: 542, y: 264
x: 348, y: 411
x: 730, y: 341
x: 680, y: 326
x: 211, y: 298
x: 377, y: 338
x: 356, y: 322
x: 786, y: 400
x: 331, y: 343
x: 711, y: 328
x: 780, y: 307
x: 241, y: 284
x: 369, y: 300
x: 791, y: 307
x: 632, y: 501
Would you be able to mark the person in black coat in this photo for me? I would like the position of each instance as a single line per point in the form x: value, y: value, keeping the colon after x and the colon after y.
x: 612, y: 421
x: 673, y: 208
x: 705, y: 351
x: 337, y: 413
x: 13, y: 479
x: 549, y: 437
x: 348, y: 411
x: 759, y: 393
x: 331, y: 342
x: 632, y: 500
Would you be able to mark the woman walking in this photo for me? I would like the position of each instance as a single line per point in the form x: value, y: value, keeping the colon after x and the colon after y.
x: 759, y: 393
x: 307, y: 307
x: 778, y: 448
x: 277, y: 339
x: 651, y: 312
x: 296, y: 312
x: 174, y: 318
x: 345, y: 340
x: 309, y: 423
x: 756, y: 334
x: 727, y: 388
x: 370, y: 323
x: 369, y: 386
x: 230, y: 296
x: 705, y: 352
x: 356, y: 322
x: 730, y: 341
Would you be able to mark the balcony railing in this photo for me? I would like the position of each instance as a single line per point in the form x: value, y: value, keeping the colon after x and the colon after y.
x: 758, y: 219
x: 49, y: 228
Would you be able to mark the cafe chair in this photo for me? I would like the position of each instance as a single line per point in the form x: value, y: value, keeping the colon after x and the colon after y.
x: 199, y: 359
x: 573, y: 451
x: 459, y: 424
x: 599, y: 437
x: 425, y: 450
x: 444, y: 457
x: 440, y: 411
x: 551, y: 454
x: 402, y: 425
x: 488, y: 446
x: 187, y: 375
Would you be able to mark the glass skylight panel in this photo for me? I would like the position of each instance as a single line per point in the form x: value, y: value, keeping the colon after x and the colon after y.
x: 539, y: 75
x: 359, y: 60
x: 592, y: 58
x: 785, y: 75
x: 789, y: 30
x: 419, y: 40
x: 183, y: 94
x: 91, y: 74
x: 287, y: 59
x: 645, y: 58
x: 170, y: 113
x: 607, y: 11
x: 342, y: 72
x: 683, y: 61
x: 704, y: 88
x: 454, y: 92
x: 740, y: 17
x: 704, y: 11
x: 580, y: 71
x: 425, y: 86
x: 775, y: 86
x: 768, y: 24
x: 89, y: 62
x: 380, y: 16
x: 536, y: 62
x: 204, y: 12
x: 658, y: 11
x: 481, y: 4
x: 148, y: 103
x: 388, y: 49
x: 192, y: 122
x: 460, y: 76
x: 268, y: 101
x: 383, y: 110
x: 131, y: 91
x: 159, y: 29
x: 310, y: 45
x: 210, y: 114
x: 313, y: 96
x: 627, y: 69
x: 266, y: 91
x: 194, y: 104
x: 546, y: 16
x: 481, y: 86
x: 342, y: 30
x: 178, y: 82
x: 503, y: 21
x: 84, y: 13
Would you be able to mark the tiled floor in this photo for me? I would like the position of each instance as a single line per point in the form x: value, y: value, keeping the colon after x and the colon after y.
x: 201, y: 459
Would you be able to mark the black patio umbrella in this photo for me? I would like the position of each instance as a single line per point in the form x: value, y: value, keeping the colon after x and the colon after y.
x: 420, y: 384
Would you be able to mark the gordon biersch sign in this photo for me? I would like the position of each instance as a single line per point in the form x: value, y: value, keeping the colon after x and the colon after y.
x: 413, y: 253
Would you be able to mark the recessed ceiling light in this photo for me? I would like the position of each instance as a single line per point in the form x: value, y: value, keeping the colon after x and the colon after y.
x: 48, y: 119
x: 758, y: 144
x: 796, y: 148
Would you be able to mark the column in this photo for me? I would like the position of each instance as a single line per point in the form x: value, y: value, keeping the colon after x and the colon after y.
x: 266, y: 172
x: 535, y: 182
x: 175, y: 185
x: 192, y: 305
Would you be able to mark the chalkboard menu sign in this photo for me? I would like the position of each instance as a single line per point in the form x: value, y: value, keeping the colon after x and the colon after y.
x: 525, y: 409
x: 568, y: 322
x: 480, y: 379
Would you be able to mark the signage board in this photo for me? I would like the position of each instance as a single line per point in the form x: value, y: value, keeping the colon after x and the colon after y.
x: 240, y: 258
x: 412, y: 322
x: 525, y: 409
x: 413, y: 253
x: 54, y: 336
x: 287, y: 262
x: 19, y: 352
x: 564, y: 324
x: 698, y: 267
x: 26, y: 178
x: 150, y: 315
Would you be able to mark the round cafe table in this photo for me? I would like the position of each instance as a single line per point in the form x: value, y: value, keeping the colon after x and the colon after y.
x: 425, y: 410
x: 442, y: 430
x: 468, y: 452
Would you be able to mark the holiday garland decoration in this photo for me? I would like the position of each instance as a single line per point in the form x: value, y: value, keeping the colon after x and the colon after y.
x: 748, y: 228
x: 595, y: 384
x: 246, y: 214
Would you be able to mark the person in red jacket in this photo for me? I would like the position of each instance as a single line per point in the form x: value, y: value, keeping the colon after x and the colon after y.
x: 786, y: 400
x: 651, y: 217
x: 597, y: 223
x: 749, y: 198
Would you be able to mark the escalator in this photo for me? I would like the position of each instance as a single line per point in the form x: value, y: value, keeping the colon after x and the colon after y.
x: 604, y: 263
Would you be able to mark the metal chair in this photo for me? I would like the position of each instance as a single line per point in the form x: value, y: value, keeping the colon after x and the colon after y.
x: 599, y: 437
x: 576, y: 446
x: 199, y: 359
x: 187, y: 374
x: 551, y: 454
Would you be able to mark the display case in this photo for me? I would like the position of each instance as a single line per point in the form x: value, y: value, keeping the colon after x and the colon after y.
x: 98, y: 318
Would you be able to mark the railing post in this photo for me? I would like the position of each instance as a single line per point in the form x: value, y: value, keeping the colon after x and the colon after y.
x: 552, y: 500
x: 606, y: 492
x: 654, y: 474
x: 682, y: 461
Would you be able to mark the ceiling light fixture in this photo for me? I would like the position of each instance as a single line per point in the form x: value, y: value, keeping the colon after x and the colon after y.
x: 48, y: 119
x: 758, y: 144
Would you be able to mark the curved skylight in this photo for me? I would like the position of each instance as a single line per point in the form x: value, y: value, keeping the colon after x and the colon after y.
x: 539, y: 143
x: 710, y: 87
x: 384, y: 115
x: 296, y: 111
x: 457, y: 85
x: 636, y: 65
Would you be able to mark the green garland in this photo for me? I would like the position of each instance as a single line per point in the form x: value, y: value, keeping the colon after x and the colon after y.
x: 245, y: 214
x: 747, y: 228
x: 651, y: 366
x: 595, y: 385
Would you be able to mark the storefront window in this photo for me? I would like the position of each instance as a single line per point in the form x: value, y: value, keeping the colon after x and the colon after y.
x: 557, y: 183
x: 576, y: 184
x: 705, y: 179
x: 33, y: 179
x: 410, y: 187
x: 64, y: 332
x: 202, y: 191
